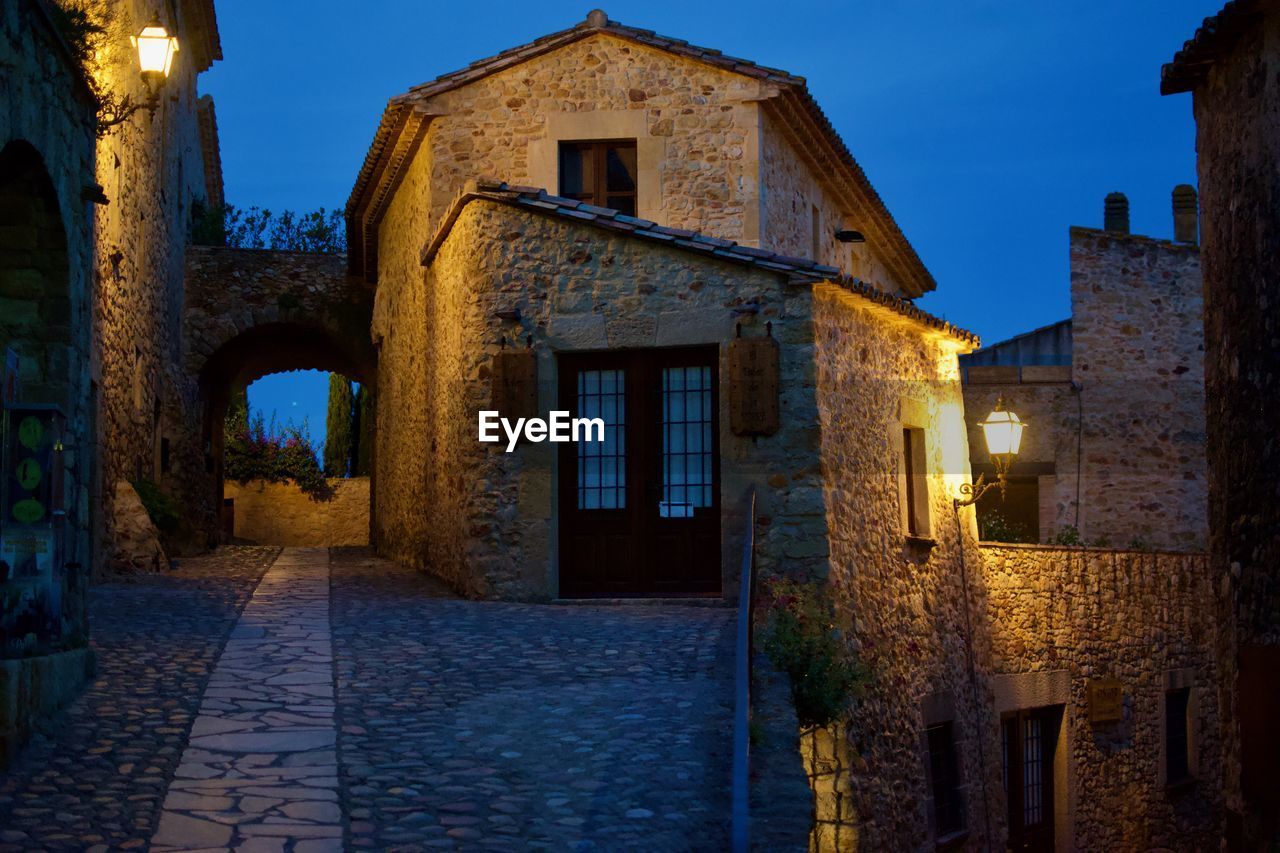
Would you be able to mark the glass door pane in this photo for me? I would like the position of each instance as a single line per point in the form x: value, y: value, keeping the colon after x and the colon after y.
x: 602, y: 465
x: 686, y: 441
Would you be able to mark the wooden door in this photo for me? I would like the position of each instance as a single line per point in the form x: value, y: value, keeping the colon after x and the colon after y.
x: 1030, y: 742
x: 640, y: 511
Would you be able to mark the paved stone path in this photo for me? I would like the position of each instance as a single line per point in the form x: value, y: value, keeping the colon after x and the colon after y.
x: 260, y: 771
x: 459, y: 725
x: 495, y: 726
x: 95, y: 775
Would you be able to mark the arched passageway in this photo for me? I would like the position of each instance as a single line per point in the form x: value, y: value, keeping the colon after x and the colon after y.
x: 273, y: 348
x: 253, y: 312
x: 47, y: 443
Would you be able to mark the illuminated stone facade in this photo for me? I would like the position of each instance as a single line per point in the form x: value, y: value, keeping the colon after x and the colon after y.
x: 97, y: 288
x: 1115, y: 397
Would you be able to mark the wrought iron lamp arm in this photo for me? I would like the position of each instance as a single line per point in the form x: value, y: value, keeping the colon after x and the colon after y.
x: 975, y: 490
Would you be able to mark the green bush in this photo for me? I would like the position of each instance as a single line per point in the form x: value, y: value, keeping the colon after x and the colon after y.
x: 1068, y: 536
x: 994, y: 527
x: 164, y: 511
x: 801, y: 639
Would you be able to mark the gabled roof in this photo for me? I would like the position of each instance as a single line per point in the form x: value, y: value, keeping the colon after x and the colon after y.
x: 1212, y: 40
x: 796, y: 270
x: 811, y: 132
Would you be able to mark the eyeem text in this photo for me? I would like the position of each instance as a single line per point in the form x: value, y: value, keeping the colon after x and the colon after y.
x: 559, y: 427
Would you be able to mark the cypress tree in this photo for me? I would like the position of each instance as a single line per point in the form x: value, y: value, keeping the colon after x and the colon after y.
x: 337, y: 441
x: 362, y: 452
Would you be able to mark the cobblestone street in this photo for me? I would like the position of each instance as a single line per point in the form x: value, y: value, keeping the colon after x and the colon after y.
x: 459, y: 725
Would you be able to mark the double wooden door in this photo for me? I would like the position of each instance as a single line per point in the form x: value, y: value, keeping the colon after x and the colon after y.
x: 640, y: 510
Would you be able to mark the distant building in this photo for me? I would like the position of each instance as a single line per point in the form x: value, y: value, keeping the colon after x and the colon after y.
x: 1115, y: 395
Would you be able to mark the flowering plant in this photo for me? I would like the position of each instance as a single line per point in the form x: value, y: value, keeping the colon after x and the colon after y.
x: 257, y: 450
x: 802, y: 639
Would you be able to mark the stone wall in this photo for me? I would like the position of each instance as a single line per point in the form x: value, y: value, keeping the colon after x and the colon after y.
x: 1138, y: 358
x: 282, y: 514
x: 1237, y: 111
x: 1061, y: 618
x: 249, y: 312
x: 152, y: 170
x: 710, y: 158
x: 696, y: 129
x: 1117, y: 439
x: 790, y: 193
x: 46, y: 238
x: 491, y: 529
x: 902, y: 600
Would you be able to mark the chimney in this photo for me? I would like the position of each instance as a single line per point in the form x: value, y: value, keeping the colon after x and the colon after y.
x: 1186, y: 219
x: 1115, y: 215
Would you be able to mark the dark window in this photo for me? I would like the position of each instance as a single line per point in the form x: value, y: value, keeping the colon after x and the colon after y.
x: 915, y: 485
x: 1177, y: 755
x: 603, y: 173
x: 1013, y: 516
x: 944, y: 775
x: 1029, y: 741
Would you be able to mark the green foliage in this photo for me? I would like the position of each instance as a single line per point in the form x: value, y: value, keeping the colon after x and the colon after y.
x: 339, y: 426
x: 78, y: 27
x: 994, y: 527
x: 164, y: 511
x: 258, y: 228
x: 1137, y: 543
x: 362, y: 452
x: 83, y: 29
x: 801, y: 639
x: 256, y: 450
x: 1067, y: 536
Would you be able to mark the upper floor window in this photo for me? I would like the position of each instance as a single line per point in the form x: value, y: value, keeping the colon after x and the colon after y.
x: 913, y: 483
x: 600, y: 172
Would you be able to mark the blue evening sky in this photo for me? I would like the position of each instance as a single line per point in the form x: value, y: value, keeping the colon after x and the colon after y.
x: 987, y: 127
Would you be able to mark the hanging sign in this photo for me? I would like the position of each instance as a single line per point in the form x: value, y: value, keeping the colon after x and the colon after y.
x: 753, y: 385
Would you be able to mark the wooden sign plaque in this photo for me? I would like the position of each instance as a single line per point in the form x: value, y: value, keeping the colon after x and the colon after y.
x: 1106, y: 700
x: 753, y: 386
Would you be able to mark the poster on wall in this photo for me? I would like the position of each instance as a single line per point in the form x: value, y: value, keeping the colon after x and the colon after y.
x: 31, y: 528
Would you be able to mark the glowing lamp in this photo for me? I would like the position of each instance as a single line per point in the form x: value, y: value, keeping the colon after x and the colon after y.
x: 1002, y: 431
x: 155, y: 57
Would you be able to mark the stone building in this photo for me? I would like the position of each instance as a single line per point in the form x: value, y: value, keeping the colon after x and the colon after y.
x: 1231, y: 67
x: 613, y: 223
x: 1115, y: 394
x: 97, y: 204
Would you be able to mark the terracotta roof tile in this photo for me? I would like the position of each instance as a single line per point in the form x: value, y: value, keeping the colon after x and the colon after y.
x: 797, y: 270
x: 1213, y: 38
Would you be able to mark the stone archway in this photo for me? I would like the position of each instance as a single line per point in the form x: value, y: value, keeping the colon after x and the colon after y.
x: 44, y: 322
x: 249, y: 313
x: 35, y: 288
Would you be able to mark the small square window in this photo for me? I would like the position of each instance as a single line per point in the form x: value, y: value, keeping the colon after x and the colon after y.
x: 601, y: 172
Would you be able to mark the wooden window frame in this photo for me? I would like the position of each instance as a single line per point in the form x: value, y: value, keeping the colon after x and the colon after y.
x: 913, y: 482
x: 600, y: 193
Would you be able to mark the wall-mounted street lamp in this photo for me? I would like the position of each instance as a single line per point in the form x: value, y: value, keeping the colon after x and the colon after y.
x: 155, y: 57
x: 1002, y: 431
